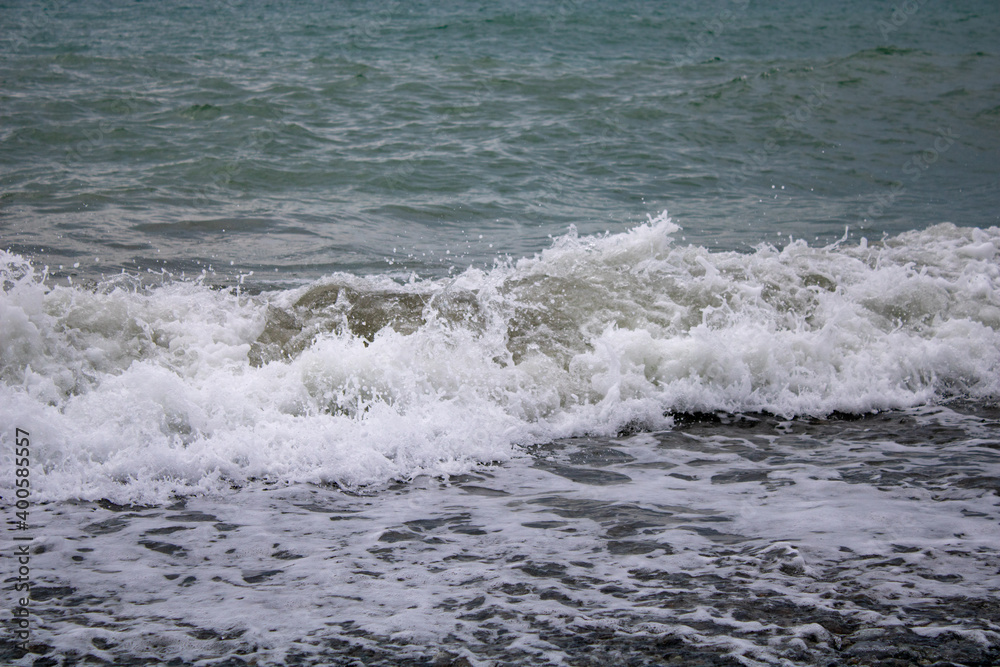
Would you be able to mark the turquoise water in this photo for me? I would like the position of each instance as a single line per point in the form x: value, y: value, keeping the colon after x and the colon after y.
x: 375, y: 137
x: 560, y: 333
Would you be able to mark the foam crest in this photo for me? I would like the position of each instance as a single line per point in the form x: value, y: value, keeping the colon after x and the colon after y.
x: 136, y: 393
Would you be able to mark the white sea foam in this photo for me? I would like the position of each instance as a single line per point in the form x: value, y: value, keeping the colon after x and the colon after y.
x: 781, y: 566
x: 135, y: 393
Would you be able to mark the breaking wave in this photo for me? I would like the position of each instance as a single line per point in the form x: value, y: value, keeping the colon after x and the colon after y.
x: 136, y: 393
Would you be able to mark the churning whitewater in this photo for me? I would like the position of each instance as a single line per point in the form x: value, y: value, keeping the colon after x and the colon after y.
x: 137, y: 392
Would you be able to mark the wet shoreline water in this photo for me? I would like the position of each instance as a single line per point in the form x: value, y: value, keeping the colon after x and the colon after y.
x: 727, y: 540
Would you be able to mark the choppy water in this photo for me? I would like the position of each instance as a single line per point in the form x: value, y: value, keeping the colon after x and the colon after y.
x: 320, y: 137
x: 351, y: 333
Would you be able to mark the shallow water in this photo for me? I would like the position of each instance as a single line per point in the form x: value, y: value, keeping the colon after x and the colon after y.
x: 727, y: 540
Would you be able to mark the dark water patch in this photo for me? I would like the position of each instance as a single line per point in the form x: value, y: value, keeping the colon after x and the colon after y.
x: 464, y: 558
x: 584, y: 475
x: 715, y: 535
x: 986, y: 483
x: 260, y: 576
x: 392, y: 536
x: 483, y: 491
x: 636, y: 547
x: 579, y: 508
x: 628, y: 528
x: 43, y: 593
x: 740, y: 476
x: 114, y: 507
x: 903, y: 646
x: 599, y: 456
x: 544, y: 524
x: 164, y: 548
x: 167, y: 530
x: 112, y: 525
x: 193, y: 517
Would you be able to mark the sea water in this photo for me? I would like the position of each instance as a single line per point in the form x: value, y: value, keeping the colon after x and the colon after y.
x: 361, y: 334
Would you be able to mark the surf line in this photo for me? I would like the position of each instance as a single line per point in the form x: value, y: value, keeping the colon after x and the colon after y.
x: 22, y: 556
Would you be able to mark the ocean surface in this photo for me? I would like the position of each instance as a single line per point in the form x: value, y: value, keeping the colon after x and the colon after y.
x: 468, y: 333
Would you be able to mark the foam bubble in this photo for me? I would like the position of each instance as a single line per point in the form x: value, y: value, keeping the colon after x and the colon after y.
x: 136, y: 393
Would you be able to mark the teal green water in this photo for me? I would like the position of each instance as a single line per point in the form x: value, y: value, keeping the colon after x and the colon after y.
x: 741, y: 441
x: 296, y: 140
